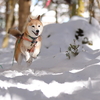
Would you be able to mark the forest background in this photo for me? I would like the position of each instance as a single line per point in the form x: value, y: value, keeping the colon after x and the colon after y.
x: 13, y: 13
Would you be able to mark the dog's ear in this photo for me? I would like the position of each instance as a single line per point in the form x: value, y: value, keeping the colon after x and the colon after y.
x: 38, y: 18
x: 29, y: 18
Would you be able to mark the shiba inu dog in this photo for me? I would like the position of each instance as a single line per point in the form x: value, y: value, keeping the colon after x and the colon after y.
x: 28, y: 43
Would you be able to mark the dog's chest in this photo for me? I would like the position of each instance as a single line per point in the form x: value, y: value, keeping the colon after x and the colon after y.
x: 28, y: 44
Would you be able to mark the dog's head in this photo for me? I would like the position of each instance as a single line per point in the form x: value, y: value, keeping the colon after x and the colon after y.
x: 34, y: 26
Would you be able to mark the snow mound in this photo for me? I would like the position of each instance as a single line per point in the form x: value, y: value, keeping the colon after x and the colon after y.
x: 52, y: 76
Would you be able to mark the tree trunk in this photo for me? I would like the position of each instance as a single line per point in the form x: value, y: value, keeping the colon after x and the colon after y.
x: 56, y: 13
x: 24, y: 11
x: 81, y: 8
x: 91, y: 10
x: 10, y: 4
x: 73, y: 9
x: 98, y: 2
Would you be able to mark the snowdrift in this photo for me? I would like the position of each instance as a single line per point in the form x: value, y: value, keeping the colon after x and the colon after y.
x: 52, y: 76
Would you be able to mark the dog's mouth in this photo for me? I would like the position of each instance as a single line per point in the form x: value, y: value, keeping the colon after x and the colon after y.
x: 35, y: 33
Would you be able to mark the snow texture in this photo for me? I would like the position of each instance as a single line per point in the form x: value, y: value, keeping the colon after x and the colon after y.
x: 52, y: 76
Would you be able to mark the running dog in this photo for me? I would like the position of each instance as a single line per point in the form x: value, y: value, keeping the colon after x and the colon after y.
x: 28, y: 43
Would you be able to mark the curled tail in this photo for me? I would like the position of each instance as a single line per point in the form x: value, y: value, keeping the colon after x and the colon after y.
x: 15, y: 32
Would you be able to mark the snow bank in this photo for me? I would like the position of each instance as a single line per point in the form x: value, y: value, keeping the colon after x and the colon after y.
x: 52, y: 76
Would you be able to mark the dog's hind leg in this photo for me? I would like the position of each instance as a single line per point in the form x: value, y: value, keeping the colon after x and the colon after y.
x: 20, y: 57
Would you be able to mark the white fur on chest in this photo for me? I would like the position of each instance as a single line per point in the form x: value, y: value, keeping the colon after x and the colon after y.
x: 27, y: 44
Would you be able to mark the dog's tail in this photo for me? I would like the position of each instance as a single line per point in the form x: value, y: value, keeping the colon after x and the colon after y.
x: 15, y: 32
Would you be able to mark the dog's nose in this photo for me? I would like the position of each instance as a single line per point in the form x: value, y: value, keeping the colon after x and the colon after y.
x: 37, y: 31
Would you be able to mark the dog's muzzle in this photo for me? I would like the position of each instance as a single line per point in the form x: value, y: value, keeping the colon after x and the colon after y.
x: 36, y: 33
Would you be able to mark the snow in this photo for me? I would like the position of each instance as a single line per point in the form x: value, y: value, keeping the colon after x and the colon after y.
x: 52, y: 76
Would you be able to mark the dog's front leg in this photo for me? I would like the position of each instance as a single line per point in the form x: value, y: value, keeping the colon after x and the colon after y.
x: 36, y: 50
x: 28, y: 58
x: 35, y: 53
x: 29, y: 62
x: 26, y: 54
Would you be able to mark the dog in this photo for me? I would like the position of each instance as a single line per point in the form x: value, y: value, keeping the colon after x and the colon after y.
x: 28, y: 43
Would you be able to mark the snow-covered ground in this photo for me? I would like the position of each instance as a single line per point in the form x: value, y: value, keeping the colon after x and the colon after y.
x: 52, y: 76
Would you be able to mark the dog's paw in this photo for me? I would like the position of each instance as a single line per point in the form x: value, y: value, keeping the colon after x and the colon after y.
x: 29, y: 60
x: 34, y: 56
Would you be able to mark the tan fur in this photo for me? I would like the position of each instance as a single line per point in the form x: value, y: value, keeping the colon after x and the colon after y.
x: 22, y: 46
x: 17, y: 49
x: 15, y: 32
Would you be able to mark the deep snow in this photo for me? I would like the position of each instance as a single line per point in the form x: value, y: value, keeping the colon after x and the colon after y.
x: 52, y: 76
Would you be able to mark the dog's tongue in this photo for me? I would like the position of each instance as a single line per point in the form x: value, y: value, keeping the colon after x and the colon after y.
x: 36, y: 33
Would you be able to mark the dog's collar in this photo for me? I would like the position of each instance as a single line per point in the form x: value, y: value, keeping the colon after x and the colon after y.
x: 32, y: 37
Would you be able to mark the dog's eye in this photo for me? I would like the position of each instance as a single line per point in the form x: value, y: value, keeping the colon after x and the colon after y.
x: 38, y: 25
x: 33, y: 26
